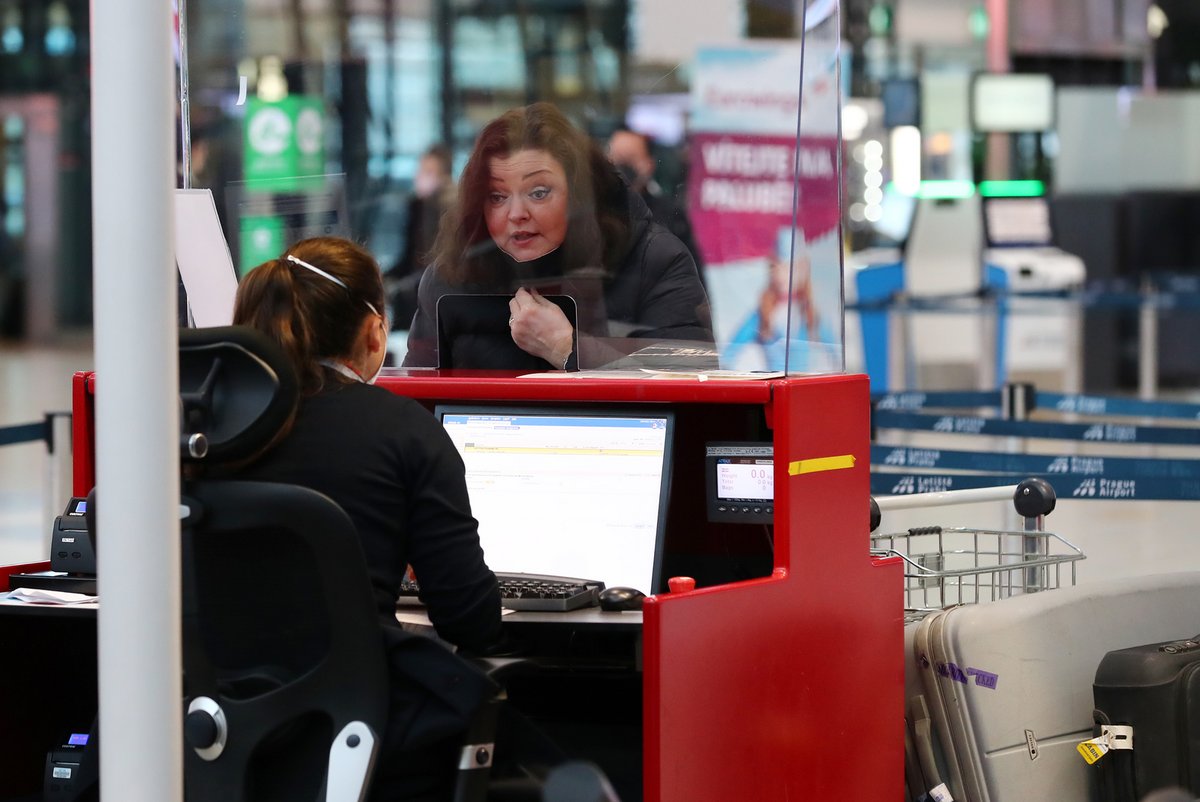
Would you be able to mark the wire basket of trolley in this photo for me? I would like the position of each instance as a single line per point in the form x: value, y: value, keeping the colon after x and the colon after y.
x: 947, y: 566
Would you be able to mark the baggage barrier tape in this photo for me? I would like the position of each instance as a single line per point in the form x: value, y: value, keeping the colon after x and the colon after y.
x: 1106, y: 405
x: 952, y: 399
x: 1087, y: 432
x: 1069, y: 485
x: 1080, y: 404
x: 24, y: 433
x: 1044, y: 465
x: 1174, y: 297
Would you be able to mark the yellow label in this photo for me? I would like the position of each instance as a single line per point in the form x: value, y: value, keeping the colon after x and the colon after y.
x: 820, y: 464
x: 1092, y: 751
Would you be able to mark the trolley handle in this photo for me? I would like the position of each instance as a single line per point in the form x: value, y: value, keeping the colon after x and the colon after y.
x: 1033, y: 498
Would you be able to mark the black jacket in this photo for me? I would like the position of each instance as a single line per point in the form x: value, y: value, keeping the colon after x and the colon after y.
x: 389, y: 464
x: 654, y: 293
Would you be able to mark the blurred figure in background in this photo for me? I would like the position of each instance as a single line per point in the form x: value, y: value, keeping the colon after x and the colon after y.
x: 632, y: 153
x: 433, y: 193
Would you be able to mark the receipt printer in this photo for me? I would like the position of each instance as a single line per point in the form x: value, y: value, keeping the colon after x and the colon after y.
x: 72, y: 767
x: 72, y: 556
x: 70, y: 544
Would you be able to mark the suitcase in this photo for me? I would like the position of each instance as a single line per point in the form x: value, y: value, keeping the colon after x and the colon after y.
x: 947, y: 566
x: 1009, y: 683
x: 933, y: 764
x: 1156, y: 689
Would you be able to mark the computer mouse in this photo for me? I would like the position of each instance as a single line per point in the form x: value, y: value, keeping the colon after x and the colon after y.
x: 618, y: 598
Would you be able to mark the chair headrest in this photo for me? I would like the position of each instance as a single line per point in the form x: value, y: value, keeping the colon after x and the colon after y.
x: 236, y: 388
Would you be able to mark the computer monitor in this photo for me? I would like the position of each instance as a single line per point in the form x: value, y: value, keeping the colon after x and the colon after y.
x: 901, y: 102
x: 1017, y: 223
x: 1012, y: 102
x: 568, y: 492
x: 271, y: 214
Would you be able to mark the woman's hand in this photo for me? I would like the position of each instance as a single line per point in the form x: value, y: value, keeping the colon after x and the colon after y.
x: 540, y: 328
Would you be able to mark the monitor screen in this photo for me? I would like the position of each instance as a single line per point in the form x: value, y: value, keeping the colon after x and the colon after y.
x: 271, y: 214
x: 1012, y: 102
x: 568, y: 492
x: 740, y: 481
x: 896, y: 210
x: 901, y: 102
x: 1017, y: 222
x: 745, y: 479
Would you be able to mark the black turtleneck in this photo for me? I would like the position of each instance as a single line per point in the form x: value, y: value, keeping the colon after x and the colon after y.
x: 653, y: 294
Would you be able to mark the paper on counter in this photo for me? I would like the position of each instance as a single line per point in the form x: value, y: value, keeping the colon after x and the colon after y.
x: 52, y: 597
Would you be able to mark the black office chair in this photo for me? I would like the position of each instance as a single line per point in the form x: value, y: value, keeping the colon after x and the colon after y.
x: 285, y: 676
x: 284, y: 671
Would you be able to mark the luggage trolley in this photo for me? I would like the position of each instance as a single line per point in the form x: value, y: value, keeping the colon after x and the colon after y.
x: 947, y: 566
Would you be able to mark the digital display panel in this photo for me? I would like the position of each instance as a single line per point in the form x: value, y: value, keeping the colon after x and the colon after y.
x: 1013, y: 222
x: 745, y: 479
x: 740, y: 482
x: 78, y: 739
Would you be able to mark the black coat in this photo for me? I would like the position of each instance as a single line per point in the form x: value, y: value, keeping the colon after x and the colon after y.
x: 391, y: 466
x: 653, y: 294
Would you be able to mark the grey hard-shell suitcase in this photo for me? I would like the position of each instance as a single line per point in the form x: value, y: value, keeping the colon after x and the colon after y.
x: 1009, y: 683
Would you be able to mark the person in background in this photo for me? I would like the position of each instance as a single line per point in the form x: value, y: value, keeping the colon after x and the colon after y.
x: 433, y: 193
x: 389, y: 464
x: 539, y: 206
x: 633, y: 154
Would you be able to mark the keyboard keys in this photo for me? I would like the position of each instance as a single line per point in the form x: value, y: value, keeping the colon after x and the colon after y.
x: 536, y: 592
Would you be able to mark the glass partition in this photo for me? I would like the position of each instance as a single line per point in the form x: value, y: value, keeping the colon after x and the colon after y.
x: 656, y: 184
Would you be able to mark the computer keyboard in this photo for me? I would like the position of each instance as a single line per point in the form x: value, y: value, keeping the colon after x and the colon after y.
x: 536, y: 592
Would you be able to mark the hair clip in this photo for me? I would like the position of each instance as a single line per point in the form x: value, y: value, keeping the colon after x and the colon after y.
x: 297, y: 260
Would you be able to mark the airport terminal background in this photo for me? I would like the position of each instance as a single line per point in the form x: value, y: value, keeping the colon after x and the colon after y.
x: 1117, y: 167
x: 1118, y: 170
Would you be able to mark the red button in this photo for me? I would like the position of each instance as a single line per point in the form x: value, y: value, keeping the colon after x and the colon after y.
x: 681, y: 584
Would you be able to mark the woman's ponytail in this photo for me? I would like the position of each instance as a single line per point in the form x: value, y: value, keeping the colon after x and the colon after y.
x: 311, y: 301
x: 267, y: 300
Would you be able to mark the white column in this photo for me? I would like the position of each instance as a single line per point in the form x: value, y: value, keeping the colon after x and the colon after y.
x: 137, y: 418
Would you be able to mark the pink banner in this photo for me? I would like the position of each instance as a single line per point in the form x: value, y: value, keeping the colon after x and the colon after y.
x: 740, y: 192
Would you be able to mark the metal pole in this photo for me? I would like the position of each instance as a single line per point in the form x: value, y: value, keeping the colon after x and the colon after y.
x: 898, y: 352
x: 58, y: 472
x: 1073, y: 374
x: 137, y: 417
x: 1017, y: 402
x: 997, y: 161
x: 185, y: 100
x: 445, y: 37
x: 989, y: 369
x: 1148, y: 342
x: 1035, y: 549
